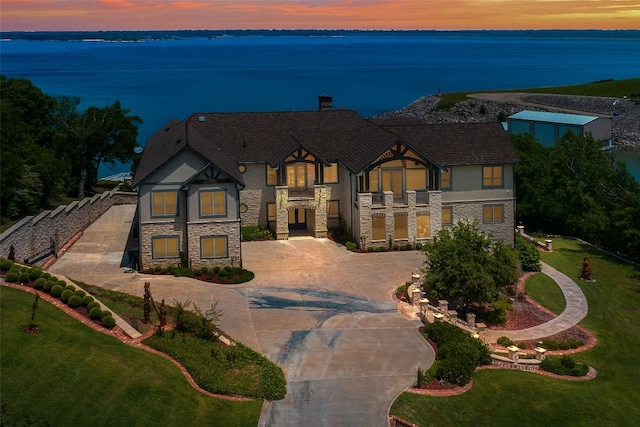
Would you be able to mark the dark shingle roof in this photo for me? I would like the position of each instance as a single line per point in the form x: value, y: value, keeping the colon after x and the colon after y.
x: 457, y: 144
x: 227, y: 139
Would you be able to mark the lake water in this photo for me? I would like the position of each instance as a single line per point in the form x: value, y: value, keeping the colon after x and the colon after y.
x: 369, y: 72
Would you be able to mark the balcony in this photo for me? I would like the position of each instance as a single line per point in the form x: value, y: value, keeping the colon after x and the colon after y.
x: 421, y: 198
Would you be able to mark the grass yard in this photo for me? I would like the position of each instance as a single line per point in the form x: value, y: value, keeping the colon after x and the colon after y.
x: 501, y: 397
x: 69, y: 374
x: 610, y: 88
x: 543, y: 289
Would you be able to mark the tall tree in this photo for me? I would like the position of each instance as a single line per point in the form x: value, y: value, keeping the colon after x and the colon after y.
x: 97, y: 135
x: 463, y: 263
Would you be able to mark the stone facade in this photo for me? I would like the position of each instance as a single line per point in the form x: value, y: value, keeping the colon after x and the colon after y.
x: 34, y: 236
x: 231, y: 229
x: 503, y: 230
x: 150, y: 230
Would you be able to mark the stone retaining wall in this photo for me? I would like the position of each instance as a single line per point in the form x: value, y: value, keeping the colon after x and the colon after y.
x: 34, y: 235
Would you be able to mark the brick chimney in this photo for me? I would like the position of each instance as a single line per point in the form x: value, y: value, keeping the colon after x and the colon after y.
x: 325, y: 102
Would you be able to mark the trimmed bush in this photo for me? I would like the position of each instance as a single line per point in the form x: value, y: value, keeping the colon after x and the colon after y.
x: 48, y: 285
x: 528, y: 254
x: 108, y: 322
x: 351, y: 246
x: 12, y: 277
x: 106, y: 313
x: 6, y: 264
x: 39, y: 283
x: 46, y: 275
x: 564, y: 365
x: 87, y: 299
x: 505, y: 341
x: 65, y: 295
x: 95, y: 313
x: 24, y: 277
x: 80, y: 293
x: 35, y: 273
x: 70, y: 288
x: 92, y: 305
x: 62, y: 283
x: 56, y: 291
x: 74, y: 301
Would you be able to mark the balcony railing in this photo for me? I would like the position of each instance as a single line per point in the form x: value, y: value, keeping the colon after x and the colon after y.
x: 422, y: 198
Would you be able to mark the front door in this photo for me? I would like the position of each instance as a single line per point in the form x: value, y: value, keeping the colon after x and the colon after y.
x: 297, y: 219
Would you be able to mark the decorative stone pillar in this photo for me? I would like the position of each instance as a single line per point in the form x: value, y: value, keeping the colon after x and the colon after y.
x: 444, y: 305
x: 452, y: 315
x: 424, y: 306
x: 389, y: 218
x: 320, y: 194
x: 471, y: 320
x: 415, y: 279
x: 438, y: 317
x: 520, y: 229
x: 415, y: 296
x: 549, y: 245
x: 282, y: 212
x: 540, y: 353
x: 513, y: 353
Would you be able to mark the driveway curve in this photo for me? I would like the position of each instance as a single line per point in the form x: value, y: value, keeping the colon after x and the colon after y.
x: 325, y: 315
x: 575, y: 310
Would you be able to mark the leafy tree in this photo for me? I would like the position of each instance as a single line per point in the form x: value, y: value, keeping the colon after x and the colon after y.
x: 31, y: 171
x: 463, y: 263
x: 575, y: 188
x: 528, y: 254
x: 96, y: 135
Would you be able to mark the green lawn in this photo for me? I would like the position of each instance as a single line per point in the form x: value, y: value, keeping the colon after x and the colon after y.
x: 71, y: 375
x: 613, y: 89
x: 544, y: 290
x: 501, y: 397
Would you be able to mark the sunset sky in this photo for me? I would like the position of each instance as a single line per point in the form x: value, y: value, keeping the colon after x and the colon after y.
x: 58, y: 15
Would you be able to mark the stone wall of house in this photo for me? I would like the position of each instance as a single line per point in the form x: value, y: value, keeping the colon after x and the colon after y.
x: 256, y: 195
x: 166, y: 228
x: 473, y: 210
x: 34, y: 236
x: 231, y: 229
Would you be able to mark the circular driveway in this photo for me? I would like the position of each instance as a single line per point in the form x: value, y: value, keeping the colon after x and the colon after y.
x: 325, y: 315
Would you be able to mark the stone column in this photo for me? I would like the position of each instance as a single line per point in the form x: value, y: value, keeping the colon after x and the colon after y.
x: 513, y: 353
x: 549, y: 245
x: 411, y: 220
x: 389, y: 219
x: 540, y: 353
x: 416, y: 295
x: 521, y: 230
x: 320, y: 194
x: 471, y: 320
x: 282, y: 213
x: 435, y: 211
x: 444, y: 305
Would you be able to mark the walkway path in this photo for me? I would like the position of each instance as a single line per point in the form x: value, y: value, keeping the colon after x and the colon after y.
x: 575, y: 310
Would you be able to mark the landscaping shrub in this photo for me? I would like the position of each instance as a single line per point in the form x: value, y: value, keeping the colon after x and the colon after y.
x: 253, y: 232
x: 95, y: 313
x: 458, y: 353
x: 216, y: 269
x: 12, y: 277
x: 65, y: 295
x: 23, y: 277
x: 80, y: 293
x: 351, y: 246
x: 56, y: 291
x: 5, y: 264
x: 505, y: 341
x: 551, y: 344
x: 70, y: 288
x: 62, y: 283
x: 35, y: 273
x: 74, y: 301
x: 204, y: 270
x: 87, y: 299
x: 564, y: 365
x: 39, y: 283
x: 108, y: 322
x: 106, y: 313
x: 48, y: 285
x: 528, y: 254
x: 46, y: 275
x: 92, y: 305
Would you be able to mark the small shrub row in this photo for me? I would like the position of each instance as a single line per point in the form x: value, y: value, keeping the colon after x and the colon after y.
x: 528, y: 254
x: 550, y: 344
x: 253, y: 232
x: 224, y: 275
x: 564, y: 365
x: 458, y: 353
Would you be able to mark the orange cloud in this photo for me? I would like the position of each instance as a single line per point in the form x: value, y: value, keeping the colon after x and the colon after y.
x: 327, y: 14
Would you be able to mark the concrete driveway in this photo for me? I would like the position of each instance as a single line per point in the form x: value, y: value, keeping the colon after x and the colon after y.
x: 325, y: 315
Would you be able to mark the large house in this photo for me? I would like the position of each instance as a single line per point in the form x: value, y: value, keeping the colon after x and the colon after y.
x: 384, y: 182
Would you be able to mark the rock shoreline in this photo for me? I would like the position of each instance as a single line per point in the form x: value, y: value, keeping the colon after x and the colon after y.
x: 625, y: 113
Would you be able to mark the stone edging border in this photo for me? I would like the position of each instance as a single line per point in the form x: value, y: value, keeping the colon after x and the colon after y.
x: 118, y: 333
